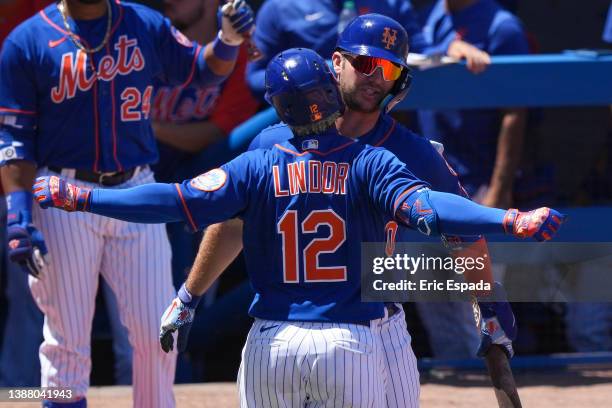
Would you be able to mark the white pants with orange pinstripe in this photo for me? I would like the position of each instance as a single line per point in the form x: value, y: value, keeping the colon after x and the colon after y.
x: 135, y: 261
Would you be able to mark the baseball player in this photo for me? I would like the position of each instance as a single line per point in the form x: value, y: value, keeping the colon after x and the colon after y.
x: 314, y: 24
x: 365, y: 119
x: 75, y: 97
x: 307, y: 204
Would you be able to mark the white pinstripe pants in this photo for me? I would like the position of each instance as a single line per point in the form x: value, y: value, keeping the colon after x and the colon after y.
x: 402, y: 387
x: 135, y: 261
x: 302, y: 364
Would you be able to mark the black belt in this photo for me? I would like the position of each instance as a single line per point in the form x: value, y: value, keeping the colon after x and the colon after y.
x: 104, y: 179
x: 392, y: 310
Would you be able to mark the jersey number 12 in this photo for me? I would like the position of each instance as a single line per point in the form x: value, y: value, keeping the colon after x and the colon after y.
x: 313, y: 272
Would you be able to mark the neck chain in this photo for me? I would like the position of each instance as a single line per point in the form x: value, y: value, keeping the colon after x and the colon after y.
x: 75, y: 39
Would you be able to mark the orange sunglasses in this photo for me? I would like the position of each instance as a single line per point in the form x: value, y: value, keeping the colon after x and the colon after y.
x: 367, y: 65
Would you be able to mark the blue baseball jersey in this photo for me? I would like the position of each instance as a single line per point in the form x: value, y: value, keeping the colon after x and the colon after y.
x: 422, y: 158
x: 307, y: 205
x: 470, y: 136
x: 283, y: 24
x: 60, y: 106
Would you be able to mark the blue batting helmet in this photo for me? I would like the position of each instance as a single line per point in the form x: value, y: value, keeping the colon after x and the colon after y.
x: 379, y: 36
x: 301, y: 87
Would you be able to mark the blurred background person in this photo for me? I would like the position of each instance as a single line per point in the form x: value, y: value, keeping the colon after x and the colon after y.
x: 482, y: 145
x: 19, y: 363
x: 188, y: 121
x: 589, y: 324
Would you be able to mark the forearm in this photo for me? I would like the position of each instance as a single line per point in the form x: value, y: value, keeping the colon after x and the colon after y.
x: 189, y: 137
x: 220, y: 58
x: 434, y: 213
x: 474, y: 248
x: 149, y: 203
x: 509, y: 149
x: 18, y: 175
x: 220, y: 246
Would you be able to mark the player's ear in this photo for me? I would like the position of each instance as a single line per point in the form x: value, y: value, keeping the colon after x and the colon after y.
x: 337, y: 62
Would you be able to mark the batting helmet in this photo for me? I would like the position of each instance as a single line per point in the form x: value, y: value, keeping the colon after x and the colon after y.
x: 375, y: 35
x: 302, y: 88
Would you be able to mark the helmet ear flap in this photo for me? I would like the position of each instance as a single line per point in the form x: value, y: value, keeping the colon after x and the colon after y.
x: 403, y: 82
x: 400, y: 89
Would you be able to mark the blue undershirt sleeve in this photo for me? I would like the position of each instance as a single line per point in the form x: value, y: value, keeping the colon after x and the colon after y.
x: 149, y: 203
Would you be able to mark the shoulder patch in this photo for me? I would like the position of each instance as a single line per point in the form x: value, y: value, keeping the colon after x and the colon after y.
x: 210, y: 181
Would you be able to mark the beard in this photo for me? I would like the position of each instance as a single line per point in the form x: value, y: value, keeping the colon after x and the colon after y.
x: 350, y: 94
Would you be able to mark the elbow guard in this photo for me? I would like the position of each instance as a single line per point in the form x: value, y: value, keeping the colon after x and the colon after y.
x: 417, y: 212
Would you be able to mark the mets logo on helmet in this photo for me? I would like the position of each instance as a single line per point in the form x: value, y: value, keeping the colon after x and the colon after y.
x: 388, y: 37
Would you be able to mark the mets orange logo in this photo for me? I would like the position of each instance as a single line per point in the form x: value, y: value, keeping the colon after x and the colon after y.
x: 314, y: 113
x: 388, y: 37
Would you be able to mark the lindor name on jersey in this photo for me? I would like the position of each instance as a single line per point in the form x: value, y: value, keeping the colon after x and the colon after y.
x: 73, y: 70
x: 310, y: 176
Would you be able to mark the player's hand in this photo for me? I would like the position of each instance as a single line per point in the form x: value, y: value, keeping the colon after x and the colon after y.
x: 55, y: 191
x: 497, y: 322
x: 541, y: 224
x: 237, y: 21
x: 26, y: 245
x: 476, y: 60
x: 178, y: 316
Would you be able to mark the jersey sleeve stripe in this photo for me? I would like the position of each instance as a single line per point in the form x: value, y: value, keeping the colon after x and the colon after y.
x: 386, y: 136
x: 403, y: 195
x: 193, y: 66
x: 7, y: 110
x: 187, y: 212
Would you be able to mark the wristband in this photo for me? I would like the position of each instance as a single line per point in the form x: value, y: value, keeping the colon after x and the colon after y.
x: 19, y: 207
x: 224, y: 51
x: 187, y: 298
x: 509, y: 220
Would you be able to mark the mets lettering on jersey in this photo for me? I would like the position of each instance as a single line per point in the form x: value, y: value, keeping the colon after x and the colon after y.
x: 48, y: 83
x: 177, y: 104
x: 73, y: 73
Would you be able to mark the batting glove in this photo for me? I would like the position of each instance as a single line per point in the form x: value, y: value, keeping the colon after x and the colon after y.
x: 497, y: 323
x: 55, y: 191
x: 237, y: 21
x: 26, y: 245
x: 178, y: 316
x: 541, y: 224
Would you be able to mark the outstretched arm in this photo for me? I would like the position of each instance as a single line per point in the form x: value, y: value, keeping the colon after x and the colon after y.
x: 397, y: 192
x: 148, y: 203
x: 434, y: 213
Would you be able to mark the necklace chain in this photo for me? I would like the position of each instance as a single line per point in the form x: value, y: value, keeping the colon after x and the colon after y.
x: 75, y: 39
